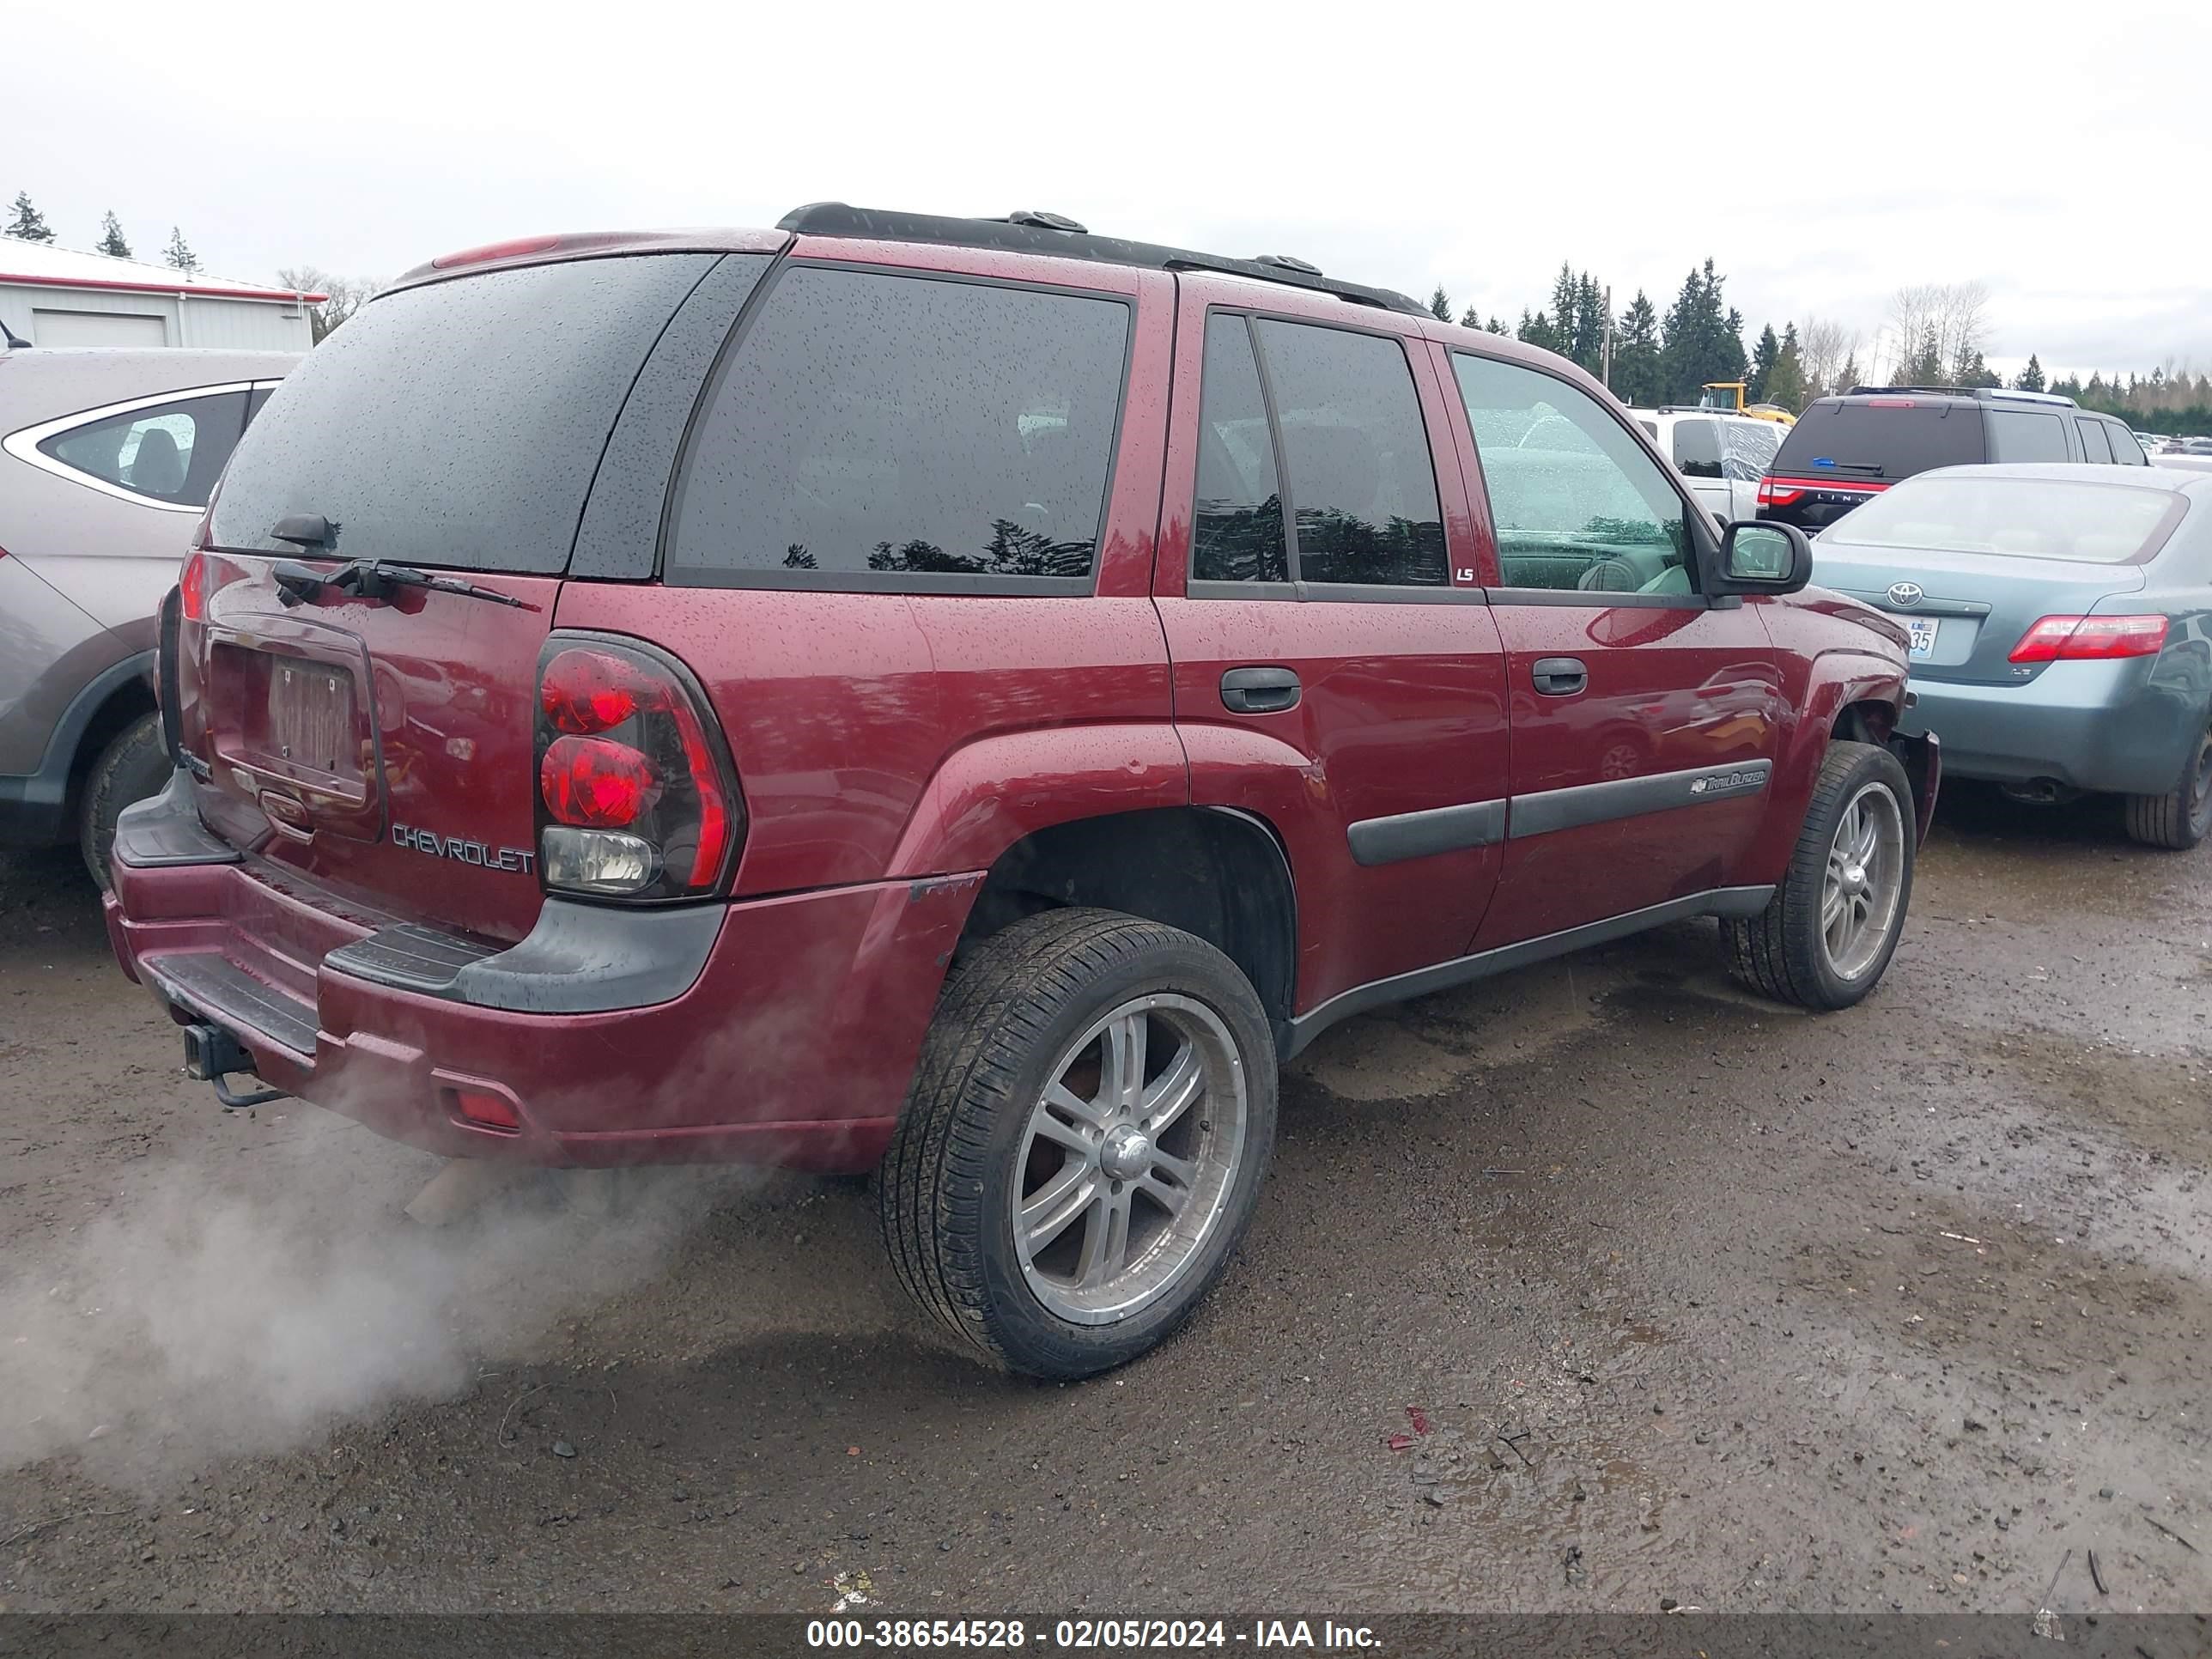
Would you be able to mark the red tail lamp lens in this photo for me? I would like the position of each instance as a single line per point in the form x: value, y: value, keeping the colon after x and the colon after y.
x: 590, y: 691
x: 596, y: 783
x: 192, y: 588
x: 2091, y: 639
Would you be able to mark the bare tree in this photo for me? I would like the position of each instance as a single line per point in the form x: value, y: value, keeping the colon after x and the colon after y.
x: 343, y: 296
x: 1825, y: 346
x: 1946, y: 323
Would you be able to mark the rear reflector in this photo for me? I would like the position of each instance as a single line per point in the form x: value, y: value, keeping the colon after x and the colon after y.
x: 2071, y: 639
x: 490, y: 250
x: 484, y: 1108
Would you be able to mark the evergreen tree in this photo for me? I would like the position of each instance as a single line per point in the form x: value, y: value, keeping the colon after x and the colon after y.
x: 1541, y: 331
x: 1496, y: 327
x: 1586, y: 340
x: 1440, y: 305
x: 1848, y: 375
x: 28, y: 224
x: 178, y: 255
x: 2030, y: 378
x: 1763, y: 358
x: 111, y: 239
x: 1785, y: 381
x: 1470, y: 318
x: 1637, y: 379
x: 1701, y: 342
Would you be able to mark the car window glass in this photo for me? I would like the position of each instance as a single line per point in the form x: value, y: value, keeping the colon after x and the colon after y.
x: 170, y: 453
x: 2127, y: 448
x: 1751, y: 447
x: 884, y: 426
x: 1362, y: 487
x: 1698, y: 448
x: 2031, y: 518
x: 2095, y: 446
x: 459, y: 423
x: 1236, y: 533
x: 1882, y: 438
x: 2019, y: 434
x: 1575, y: 501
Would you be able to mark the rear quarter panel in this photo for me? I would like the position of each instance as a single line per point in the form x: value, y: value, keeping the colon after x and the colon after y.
x: 1831, y: 653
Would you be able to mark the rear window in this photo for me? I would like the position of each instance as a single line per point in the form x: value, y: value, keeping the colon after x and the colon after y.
x: 2016, y: 518
x: 882, y: 430
x: 1891, y: 439
x: 459, y: 423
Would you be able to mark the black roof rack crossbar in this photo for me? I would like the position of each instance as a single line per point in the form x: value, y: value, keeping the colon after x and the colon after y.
x: 1031, y: 231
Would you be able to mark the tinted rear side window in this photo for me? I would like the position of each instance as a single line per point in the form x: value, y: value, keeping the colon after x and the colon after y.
x: 1698, y: 448
x: 2127, y: 448
x: 1362, y: 488
x: 1888, y: 440
x: 2094, y: 445
x: 2017, y: 434
x: 459, y: 423
x: 899, y: 431
x: 1236, y: 532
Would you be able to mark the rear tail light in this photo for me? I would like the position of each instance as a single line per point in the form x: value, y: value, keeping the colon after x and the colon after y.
x: 192, y: 588
x: 635, y: 795
x: 1772, y: 493
x: 2070, y: 639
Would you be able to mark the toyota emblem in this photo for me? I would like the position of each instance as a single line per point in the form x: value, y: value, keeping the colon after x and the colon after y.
x: 1905, y: 593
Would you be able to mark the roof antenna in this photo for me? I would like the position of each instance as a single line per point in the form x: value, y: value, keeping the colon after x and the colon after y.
x: 14, y: 340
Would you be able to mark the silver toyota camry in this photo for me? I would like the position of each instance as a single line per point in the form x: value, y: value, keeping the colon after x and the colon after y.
x: 2061, y: 625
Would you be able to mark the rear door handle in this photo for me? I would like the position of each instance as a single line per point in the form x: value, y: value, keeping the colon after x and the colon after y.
x: 1559, y: 676
x: 1260, y: 690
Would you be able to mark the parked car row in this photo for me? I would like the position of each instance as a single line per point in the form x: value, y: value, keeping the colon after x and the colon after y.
x: 968, y: 698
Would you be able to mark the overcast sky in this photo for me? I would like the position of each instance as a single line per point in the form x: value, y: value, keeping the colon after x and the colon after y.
x: 1406, y: 145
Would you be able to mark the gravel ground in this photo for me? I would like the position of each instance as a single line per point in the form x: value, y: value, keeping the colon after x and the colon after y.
x: 1666, y: 1293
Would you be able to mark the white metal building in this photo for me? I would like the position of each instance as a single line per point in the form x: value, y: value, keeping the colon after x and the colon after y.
x: 56, y: 296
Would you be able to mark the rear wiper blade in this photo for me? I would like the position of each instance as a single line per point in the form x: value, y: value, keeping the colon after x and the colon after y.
x: 372, y: 578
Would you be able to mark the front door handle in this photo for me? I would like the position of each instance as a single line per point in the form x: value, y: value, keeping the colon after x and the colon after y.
x: 1260, y: 690
x: 1559, y: 676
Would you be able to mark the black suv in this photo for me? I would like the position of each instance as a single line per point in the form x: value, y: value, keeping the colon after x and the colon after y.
x: 1846, y: 449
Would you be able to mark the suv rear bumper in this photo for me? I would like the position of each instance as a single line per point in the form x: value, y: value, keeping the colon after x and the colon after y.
x: 788, y: 1036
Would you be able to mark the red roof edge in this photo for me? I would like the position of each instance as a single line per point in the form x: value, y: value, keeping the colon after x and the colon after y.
x: 273, y: 296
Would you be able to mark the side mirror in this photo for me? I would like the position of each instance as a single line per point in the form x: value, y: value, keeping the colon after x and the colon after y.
x: 1760, y: 557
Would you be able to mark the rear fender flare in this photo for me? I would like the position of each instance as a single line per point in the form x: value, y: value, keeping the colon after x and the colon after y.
x: 988, y: 794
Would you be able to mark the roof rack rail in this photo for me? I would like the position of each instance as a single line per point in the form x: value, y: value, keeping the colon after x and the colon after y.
x: 1986, y: 393
x: 1033, y: 231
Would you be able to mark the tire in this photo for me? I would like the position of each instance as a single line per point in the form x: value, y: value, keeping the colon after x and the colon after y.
x: 2181, y: 817
x: 134, y: 765
x: 1023, y: 1010
x: 1785, y: 952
